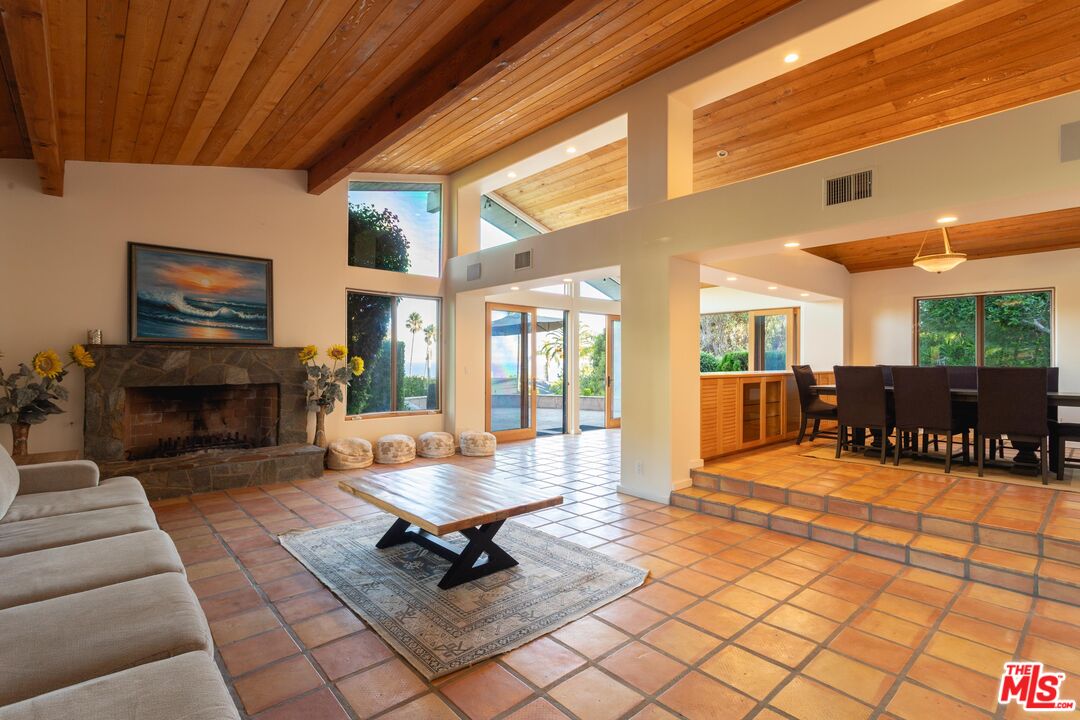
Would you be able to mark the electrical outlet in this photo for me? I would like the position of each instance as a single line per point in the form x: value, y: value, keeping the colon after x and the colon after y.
x: 639, y: 467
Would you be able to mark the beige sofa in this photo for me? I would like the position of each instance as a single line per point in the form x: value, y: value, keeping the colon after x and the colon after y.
x: 97, y: 619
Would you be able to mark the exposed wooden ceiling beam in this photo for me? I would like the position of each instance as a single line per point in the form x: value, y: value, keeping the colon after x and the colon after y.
x: 489, y: 42
x: 26, y: 28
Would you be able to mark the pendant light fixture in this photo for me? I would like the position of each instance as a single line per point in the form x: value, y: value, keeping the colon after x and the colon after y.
x: 939, y: 262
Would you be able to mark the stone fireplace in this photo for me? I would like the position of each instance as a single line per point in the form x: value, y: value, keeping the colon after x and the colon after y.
x: 195, y: 419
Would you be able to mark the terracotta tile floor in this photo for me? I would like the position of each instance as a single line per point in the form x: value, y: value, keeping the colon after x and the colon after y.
x: 736, y: 621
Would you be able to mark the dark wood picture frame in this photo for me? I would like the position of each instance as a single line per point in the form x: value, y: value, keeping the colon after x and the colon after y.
x: 202, y: 334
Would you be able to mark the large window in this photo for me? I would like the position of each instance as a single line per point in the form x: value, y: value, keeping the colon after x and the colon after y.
x: 396, y: 226
x: 398, y: 338
x: 499, y: 226
x: 749, y: 340
x: 1013, y: 329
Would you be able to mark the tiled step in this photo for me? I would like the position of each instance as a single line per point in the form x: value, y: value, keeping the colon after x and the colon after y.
x: 1057, y: 579
x: 1016, y: 518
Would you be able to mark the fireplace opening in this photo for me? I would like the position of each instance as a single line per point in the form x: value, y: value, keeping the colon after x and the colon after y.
x: 161, y: 422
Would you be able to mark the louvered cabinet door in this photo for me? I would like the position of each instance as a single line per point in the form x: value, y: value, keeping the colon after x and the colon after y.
x: 710, y: 428
x: 728, y: 415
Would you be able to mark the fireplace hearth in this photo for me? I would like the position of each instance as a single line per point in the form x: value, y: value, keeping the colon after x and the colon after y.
x: 194, y: 419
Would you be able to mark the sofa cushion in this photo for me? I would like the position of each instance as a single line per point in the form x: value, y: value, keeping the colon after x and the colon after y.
x: 45, y: 574
x: 59, y: 530
x: 56, y: 476
x: 67, y: 640
x: 110, y: 493
x: 9, y: 481
x: 186, y: 687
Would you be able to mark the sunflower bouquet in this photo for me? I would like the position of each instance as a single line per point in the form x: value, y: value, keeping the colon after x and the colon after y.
x: 325, y: 382
x: 29, y: 395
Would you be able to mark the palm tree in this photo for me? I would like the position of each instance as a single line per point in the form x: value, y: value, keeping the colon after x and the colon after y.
x: 429, y: 340
x: 414, y: 324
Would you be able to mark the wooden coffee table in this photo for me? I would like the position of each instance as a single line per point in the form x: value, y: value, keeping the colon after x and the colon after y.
x: 442, y: 499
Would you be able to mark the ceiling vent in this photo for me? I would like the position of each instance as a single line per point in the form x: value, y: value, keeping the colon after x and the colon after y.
x: 472, y: 272
x: 523, y: 260
x: 848, y: 188
x: 1070, y: 141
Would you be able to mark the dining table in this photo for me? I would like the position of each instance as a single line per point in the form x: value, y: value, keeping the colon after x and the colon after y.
x: 1025, y: 458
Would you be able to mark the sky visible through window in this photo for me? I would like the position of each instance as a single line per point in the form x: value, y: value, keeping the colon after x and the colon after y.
x: 418, y: 212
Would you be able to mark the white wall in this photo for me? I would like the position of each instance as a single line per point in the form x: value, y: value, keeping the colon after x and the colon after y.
x: 882, y: 317
x: 821, y: 323
x: 63, y: 262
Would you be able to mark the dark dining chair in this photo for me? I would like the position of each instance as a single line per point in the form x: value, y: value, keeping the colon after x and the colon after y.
x: 923, y: 402
x: 1061, y: 433
x: 1012, y: 402
x: 963, y: 377
x: 813, y: 407
x: 861, y: 403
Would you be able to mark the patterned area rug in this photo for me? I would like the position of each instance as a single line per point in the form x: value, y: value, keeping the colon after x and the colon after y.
x: 439, y: 631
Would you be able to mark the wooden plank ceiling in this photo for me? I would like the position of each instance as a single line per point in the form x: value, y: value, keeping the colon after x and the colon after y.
x: 1042, y: 232
x: 286, y: 83
x: 589, y: 187
x: 13, y: 140
x: 972, y: 59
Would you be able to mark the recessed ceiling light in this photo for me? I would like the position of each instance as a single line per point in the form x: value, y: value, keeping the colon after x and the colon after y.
x: 514, y: 287
x: 571, y: 149
x: 721, y: 153
x: 791, y: 244
x: 791, y: 57
x: 732, y: 278
x: 511, y: 174
x: 804, y: 294
x: 772, y: 287
x: 474, y: 98
x: 947, y: 219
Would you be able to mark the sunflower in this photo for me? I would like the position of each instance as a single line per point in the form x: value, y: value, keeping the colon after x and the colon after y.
x: 356, y: 365
x: 337, y: 352
x: 308, y: 353
x: 81, y: 356
x: 47, y: 364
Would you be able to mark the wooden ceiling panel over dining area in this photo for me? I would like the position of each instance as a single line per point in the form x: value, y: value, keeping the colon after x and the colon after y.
x: 1025, y: 234
x: 971, y: 59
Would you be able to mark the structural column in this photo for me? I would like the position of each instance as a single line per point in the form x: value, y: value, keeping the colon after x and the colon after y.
x: 661, y: 380
x: 660, y: 152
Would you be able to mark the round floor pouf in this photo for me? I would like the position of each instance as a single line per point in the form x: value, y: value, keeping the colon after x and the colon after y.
x: 477, y: 444
x: 395, y: 449
x: 435, y: 445
x: 348, y: 454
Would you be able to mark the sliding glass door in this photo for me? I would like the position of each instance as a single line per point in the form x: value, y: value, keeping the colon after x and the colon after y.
x: 511, y: 370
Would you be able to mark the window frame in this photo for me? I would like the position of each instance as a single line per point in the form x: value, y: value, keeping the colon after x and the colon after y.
x: 794, y: 343
x: 395, y: 302
x: 443, y: 219
x: 980, y: 320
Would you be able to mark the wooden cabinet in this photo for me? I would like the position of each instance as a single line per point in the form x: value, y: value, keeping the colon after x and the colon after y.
x: 745, y: 410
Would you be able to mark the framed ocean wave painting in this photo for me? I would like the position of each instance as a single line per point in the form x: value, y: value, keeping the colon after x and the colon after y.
x: 190, y: 296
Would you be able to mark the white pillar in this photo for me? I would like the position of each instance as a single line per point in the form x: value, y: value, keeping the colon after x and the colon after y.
x: 661, y: 380
x: 660, y: 152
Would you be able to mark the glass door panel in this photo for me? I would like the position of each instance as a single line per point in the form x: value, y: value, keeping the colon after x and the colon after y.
x: 592, y: 370
x: 751, y: 411
x: 614, y: 399
x: 551, y: 372
x: 511, y: 408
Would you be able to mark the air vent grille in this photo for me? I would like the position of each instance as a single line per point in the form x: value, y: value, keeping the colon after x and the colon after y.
x: 523, y: 260
x: 847, y: 188
x: 472, y: 272
x: 1070, y: 142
